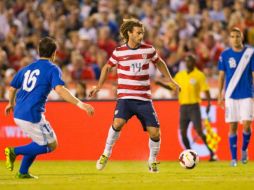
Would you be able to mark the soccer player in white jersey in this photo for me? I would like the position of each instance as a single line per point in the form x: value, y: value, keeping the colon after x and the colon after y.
x: 28, y: 94
x: 236, y: 67
x: 132, y: 61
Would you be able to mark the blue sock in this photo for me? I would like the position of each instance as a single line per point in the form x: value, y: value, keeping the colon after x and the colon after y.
x: 233, y: 146
x: 26, y: 163
x: 246, y: 140
x: 31, y: 149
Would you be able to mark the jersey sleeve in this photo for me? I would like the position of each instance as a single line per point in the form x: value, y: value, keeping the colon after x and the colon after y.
x: 56, y: 77
x: 113, y: 59
x: 155, y: 57
x: 17, y: 80
x: 221, y: 65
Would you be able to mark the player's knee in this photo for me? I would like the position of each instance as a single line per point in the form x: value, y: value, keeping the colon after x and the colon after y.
x: 232, y: 131
x: 155, y: 136
x: 246, y: 129
x: 118, y: 125
x: 53, y: 146
x: 247, y: 126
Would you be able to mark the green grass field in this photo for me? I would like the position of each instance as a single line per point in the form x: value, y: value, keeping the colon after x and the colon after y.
x: 68, y: 175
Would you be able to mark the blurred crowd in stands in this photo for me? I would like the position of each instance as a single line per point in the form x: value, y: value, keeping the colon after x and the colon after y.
x: 87, y: 31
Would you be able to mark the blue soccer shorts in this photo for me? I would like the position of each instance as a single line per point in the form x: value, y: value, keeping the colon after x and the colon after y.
x: 143, y: 110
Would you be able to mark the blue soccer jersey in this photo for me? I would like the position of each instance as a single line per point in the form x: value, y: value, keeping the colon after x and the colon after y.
x: 228, y: 63
x: 35, y: 82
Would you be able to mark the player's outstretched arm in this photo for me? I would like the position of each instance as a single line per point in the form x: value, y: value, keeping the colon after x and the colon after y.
x: 67, y: 96
x: 10, y: 105
x: 104, y: 73
x: 161, y: 65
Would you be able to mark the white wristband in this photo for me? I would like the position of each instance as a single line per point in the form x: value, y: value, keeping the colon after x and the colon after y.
x: 80, y: 104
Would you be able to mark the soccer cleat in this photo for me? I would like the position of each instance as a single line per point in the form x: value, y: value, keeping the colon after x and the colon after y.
x: 10, y: 158
x: 244, y: 157
x: 101, y: 163
x: 233, y: 163
x: 153, y: 167
x: 25, y: 176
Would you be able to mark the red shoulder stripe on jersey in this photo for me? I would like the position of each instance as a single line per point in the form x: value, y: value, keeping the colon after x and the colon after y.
x: 147, y: 96
x: 130, y: 77
x: 133, y: 87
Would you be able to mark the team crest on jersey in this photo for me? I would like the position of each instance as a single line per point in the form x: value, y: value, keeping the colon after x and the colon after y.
x: 144, y: 56
x: 232, y: 62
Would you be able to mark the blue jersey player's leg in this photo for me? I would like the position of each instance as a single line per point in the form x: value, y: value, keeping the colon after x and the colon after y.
x: 246, y: 116
x: 44, y: 141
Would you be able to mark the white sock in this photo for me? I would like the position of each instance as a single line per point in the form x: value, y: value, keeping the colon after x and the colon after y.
x: 111, y: 139
x: 154, y: 150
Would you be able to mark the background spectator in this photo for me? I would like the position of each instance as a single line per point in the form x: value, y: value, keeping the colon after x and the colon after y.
x: 87, y: 32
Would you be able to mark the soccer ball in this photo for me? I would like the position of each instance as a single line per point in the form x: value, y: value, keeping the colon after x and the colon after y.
x: 188, y: 159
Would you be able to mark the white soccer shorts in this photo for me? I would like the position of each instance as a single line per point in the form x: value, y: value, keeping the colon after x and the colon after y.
x: 41, y: 132
x: 238, y: 110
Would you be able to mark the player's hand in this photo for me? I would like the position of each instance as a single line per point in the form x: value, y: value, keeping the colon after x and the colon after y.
x: 86, y: 107
x: 178, y: 88
x: 220, y: 100
x: 93, y: 92
x: 89, y: 109
x: 8, y: 109
x: 175, y: 87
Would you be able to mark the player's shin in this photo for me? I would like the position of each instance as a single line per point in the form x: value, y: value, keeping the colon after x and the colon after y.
x: 26, y: 163
x: 233, y: 146
x: 113, y: 135
x: 154, y: 147
x: 32, y: 149
x: 246, y: 140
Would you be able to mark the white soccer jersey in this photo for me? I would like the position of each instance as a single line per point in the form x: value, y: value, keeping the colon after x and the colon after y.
x: 133, y: 71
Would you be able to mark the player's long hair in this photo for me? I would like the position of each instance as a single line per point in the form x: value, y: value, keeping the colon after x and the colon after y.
x: 127, y: 26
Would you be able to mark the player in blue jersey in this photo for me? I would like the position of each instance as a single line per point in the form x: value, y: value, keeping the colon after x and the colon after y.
x: 28, y: 94
x: 236, y: 67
